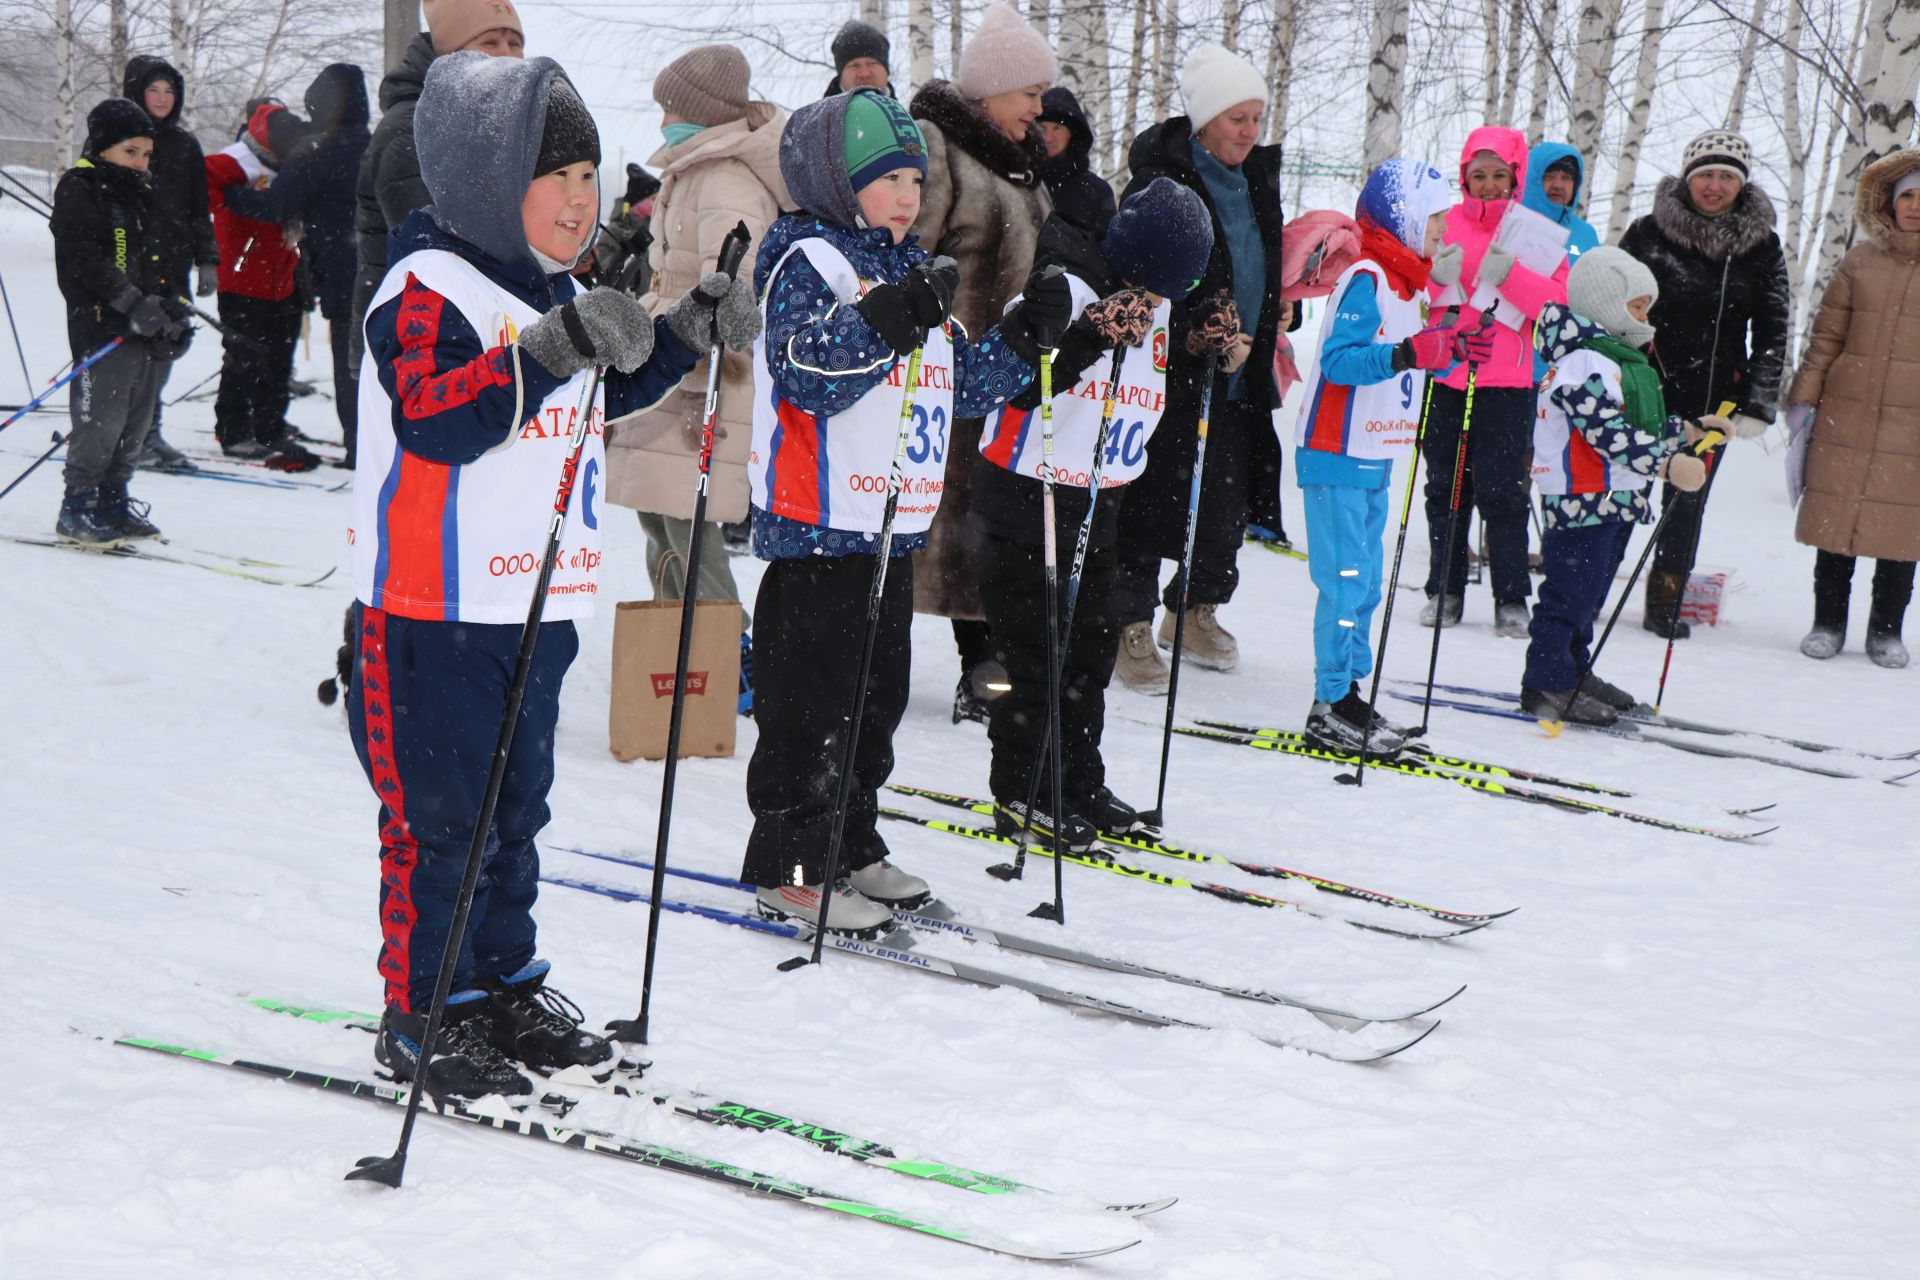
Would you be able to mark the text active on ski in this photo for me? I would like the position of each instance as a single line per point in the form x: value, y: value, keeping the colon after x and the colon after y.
x: 601, y: 1142
x: 1146, y: 844
x: 707, y: 1109
x: 1226, y: 893
x: 896, y: 949
x: 1472, y: 782
x: 936, y: 918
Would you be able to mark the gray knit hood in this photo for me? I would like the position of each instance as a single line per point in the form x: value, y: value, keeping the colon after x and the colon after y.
x: 813, y: 161
x: 478, y: 128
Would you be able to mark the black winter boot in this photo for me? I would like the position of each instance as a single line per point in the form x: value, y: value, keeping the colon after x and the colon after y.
x: 125, y: 514
x: 1665, y: 591
x: 533, y: 1024
x: 82, y: 520
x: 464, y: 1063
x: 1892, y: 592
x: 1832, y: 586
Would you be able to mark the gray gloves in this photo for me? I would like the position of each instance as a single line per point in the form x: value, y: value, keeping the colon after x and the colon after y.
x: 1496, y: 265
x: 1446, y: 264
x: 717, y: 307
x: 601, y: 326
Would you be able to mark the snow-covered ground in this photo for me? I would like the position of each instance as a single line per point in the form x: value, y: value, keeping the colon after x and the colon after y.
x: 1680, y: 1058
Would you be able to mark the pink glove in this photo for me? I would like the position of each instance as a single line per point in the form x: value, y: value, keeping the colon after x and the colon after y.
x: 1476, y: 346
x: 1430, y: 349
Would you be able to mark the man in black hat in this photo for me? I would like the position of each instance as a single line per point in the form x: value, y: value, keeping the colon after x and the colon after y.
x: 860, y: 56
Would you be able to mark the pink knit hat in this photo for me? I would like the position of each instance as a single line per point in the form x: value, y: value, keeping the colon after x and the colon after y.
x: 454, y: 22
x: 1006, y: 53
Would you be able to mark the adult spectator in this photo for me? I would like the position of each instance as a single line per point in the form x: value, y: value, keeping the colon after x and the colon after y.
x: 1228, y: 324
x: 180, y: 231
x: 861, y: 53
x: 389, y: 186
x: 982, y: 206
x: 315, y: 188
x: 1080, y: 195
x: 1722, y: 317
x: 628, y: 231
x: 720, y: 167
x: 1555, y: 179
x: 1862, y: 410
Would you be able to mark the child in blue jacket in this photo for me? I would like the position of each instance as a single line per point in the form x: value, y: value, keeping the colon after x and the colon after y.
x: 848, y: 295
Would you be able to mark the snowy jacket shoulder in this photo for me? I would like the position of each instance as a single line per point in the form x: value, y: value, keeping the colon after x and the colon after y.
x: 1724, y: 276
x: 462, y: 436
x: 389, y: 186
x: 1862, y: 370
x: 720, y: 177
x: 102, y: 254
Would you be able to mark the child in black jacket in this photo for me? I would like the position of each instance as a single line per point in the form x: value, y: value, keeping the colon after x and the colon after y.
x: 109, y: 272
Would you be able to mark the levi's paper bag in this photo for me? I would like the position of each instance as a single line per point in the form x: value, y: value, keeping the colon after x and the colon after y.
x: 646, y: 641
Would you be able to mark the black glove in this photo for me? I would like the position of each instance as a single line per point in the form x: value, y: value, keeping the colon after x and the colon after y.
x: 148, y: 317
x: 1038, y: 321
x: 902, y: 313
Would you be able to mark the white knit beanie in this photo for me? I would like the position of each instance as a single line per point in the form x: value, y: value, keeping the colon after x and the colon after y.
x: 1601, y: 284
x: 1215, y: 78
x: 1006, y: 53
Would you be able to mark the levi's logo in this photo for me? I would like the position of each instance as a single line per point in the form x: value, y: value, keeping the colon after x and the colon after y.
x: 663, y: 684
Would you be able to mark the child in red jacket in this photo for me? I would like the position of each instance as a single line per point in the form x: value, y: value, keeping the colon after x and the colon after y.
x: 259, y: 306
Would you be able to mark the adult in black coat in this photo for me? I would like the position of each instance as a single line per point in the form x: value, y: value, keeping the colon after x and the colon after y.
x: 1242, y: 450
x: 180, y: 229
x: 1079, y: 194
x: 1722, y: 321
x: 316, y: 188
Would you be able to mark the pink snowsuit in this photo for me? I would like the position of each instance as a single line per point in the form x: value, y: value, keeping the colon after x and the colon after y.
x: 1471, y: 224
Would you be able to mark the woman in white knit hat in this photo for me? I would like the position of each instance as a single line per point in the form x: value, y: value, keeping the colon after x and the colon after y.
x: 1229, y: 324
x: 983, y: 204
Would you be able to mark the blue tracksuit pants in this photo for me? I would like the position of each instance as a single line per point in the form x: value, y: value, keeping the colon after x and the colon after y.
x: 1344, y: 527
x: 1579, y: 565
x: 425, y: 711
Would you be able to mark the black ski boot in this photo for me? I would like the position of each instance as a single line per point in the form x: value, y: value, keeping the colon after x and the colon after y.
x: 1111, y: 815
x: 1010, y: 819
x: 535, y: 1025
x: 1608, y: 692
x: 128, y: 515
x: 968, y: 705
x: 464, y: 1063
x: 1349, y: 725
x: 82, y: 520
x: 1573, y: 706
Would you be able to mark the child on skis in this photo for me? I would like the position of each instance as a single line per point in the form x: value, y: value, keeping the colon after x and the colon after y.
x: 1601, y: 437
x: 480, y: 352
x: 105, y: 260
x: 1366, y: 388
x: 1152, y: 253
x: 848, y: 294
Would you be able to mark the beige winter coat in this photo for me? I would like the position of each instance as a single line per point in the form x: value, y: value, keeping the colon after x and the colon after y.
x: 717, y: 178
x: 1862, y: 368
x: 983, y: 206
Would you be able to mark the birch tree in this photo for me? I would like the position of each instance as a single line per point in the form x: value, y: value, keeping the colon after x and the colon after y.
x: 1083, y: 61
x: 116, y: 42
x: 1166, y: 53
x: 63, y: 91
x: 1286, y: 28
x: 1510, y: 81
x: 1386, y: 82
x: 1798, y: 148
x: 1490, y: 61
x: 1040, y: 15
x: 920, y: 41
x: 1646, y: 71
x: 1141, y: 11
x: 1885, y: 116
x: 1593, y: 65
x: 1749, y: 47
x: 1549, y: 22
x: 1230, y: 24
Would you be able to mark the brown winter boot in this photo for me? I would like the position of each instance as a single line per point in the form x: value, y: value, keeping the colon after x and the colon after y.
x: 1206, y: 643
x: 1138, y: 664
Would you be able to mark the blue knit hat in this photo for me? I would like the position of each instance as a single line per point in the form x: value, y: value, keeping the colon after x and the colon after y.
x: 1160, y: 239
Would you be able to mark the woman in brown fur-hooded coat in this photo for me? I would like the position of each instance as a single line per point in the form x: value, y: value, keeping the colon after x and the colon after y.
x: 983, y: 205
x: 1861, y: 381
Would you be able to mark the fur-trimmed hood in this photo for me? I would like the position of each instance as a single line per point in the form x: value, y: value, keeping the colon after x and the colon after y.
x: 1873, y: 203
x: 967, y: 127
x: 1741, y: 229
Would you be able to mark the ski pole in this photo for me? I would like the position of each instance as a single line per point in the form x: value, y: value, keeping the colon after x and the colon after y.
x: 1358, y: 776
x: 30, y: 198
x: 33, y: 466
x: 1446, y: 555
x: 1014, y: 870
x: 62, y: 381
x: 1051, y: 560
x: 1714, y: 463
x: 1156, y: 816
x: 732, y: 250
x: 388, y: 1170
x: 188, y: 393
x: 14, y: 325
x: 882, y: 554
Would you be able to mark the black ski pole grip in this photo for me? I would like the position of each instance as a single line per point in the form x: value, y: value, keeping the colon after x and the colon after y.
x: 734, y: 248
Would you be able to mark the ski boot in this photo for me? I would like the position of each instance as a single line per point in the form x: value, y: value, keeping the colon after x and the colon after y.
x: 464, y: 1064
x: 1575, y: 706
x: 1010, y: 820
x: 889, y: 886
x: 1110, y: 815
x: 127, y: 515
x: 852, y: 914
x: 1608, y: 692
x: 1349, y: 726
x: 538, y: 1027
x: 84, y: 521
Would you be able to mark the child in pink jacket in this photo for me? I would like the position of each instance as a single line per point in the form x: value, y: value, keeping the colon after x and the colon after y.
x: 1493, y: 166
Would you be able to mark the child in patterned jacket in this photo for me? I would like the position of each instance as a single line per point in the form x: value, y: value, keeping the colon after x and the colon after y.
x: 1601, y: 436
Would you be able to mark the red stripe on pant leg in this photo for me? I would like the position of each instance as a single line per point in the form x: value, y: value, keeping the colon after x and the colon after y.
x: 399, y: 853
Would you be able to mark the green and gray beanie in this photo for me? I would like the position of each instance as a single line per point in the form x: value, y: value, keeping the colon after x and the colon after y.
x: 880, y: 137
